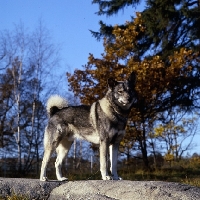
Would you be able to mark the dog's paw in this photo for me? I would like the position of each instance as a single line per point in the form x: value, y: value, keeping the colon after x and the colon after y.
x: 107, y: 178
x: 63, y: 179
x: 117, y: 178
x: 44, y: 179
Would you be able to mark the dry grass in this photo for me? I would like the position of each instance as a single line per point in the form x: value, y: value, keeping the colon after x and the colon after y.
x: 15, y: 197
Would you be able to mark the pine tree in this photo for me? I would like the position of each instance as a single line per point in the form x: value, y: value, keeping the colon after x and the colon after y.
x: 170, y: 25
x: 161, y: 46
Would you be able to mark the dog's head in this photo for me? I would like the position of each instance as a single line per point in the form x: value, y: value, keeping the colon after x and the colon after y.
x: 123, y: 92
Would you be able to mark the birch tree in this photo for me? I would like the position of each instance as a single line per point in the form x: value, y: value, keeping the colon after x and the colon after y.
x: 175, y: 135
x: 29, y: 60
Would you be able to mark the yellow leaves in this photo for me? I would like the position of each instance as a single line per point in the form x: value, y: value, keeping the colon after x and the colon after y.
x: 169, y: 157
x: 169, y: 129
x: 125, y: 39
x: 159, y: 131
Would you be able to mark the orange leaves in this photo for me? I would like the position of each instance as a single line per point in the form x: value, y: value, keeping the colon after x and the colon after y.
x: 181, y: 63
x: 125, y: 39
x: 155, y: 77
x: 150, y: 78
x: 160, y: 84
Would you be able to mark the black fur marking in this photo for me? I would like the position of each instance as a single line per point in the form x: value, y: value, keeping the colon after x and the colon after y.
x: 54, y: 110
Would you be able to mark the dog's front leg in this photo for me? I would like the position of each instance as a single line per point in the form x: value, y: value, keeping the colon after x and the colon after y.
x: 103, y: 160
x: 113, y: 149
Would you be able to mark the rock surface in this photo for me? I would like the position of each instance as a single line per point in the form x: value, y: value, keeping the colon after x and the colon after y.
x: 97, y: 190
x: 125, y: 190
x: 29, y: 188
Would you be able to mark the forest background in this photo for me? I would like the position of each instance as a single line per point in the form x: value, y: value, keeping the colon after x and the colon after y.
x: 160, y: 44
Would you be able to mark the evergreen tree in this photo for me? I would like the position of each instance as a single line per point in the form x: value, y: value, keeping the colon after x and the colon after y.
x: 170, y: 25
x: 111, y: 7
x: 161, y: 45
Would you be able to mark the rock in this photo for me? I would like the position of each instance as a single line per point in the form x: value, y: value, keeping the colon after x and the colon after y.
x: 97, y: 189
x: 29, y: 188
x: 125, y: 190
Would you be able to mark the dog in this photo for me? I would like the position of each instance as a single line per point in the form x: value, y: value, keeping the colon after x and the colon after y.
x: 103, y: 123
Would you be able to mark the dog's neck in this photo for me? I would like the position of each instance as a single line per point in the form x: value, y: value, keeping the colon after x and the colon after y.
x: 108, y: 107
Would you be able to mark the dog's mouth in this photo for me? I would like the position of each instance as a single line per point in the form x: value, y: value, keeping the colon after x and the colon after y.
x: 123, y: 103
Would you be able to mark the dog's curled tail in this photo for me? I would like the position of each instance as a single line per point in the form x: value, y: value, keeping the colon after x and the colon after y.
x: 55, y: 103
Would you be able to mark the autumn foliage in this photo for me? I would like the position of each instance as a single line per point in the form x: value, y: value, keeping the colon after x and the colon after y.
x: 155, y: 79
x: 161, y: 84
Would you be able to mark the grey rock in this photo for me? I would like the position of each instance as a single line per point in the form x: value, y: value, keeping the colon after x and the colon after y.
x: 29, y: 188
x: 98, y: 190
x: 125, y: 190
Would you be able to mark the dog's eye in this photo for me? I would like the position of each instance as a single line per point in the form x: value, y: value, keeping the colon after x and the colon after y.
x: 119, y: 92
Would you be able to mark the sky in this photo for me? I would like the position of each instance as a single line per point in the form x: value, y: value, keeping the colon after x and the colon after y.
x: 68, y: 22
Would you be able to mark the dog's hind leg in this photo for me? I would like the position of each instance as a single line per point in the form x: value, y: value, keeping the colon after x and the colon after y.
x: 48, y: 150
x: 47, y: 154
x: 62, y: 151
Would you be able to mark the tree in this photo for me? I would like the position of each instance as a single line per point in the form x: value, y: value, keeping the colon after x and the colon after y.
x: 175, y: 26
x: 28, y: 62
x: 169, y: 25
x: 43, y: 60
x: 6, y: 105
x: 160, y: 85
x: 173, y: 133
x: 110, y: 8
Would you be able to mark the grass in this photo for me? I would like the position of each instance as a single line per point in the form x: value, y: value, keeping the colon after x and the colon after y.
x: 186, y: 171
x: 15, y: 197
x: 186, y: 175
x: 192, y: 181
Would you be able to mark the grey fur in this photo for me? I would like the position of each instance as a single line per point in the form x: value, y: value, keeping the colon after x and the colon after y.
x: 102, y: 123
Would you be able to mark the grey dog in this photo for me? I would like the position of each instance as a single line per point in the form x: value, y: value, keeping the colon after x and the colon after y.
x: 103, y: 123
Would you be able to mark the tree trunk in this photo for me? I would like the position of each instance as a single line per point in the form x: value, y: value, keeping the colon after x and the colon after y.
x: 144, y: 155
x: 143, y: 146
x: 16, y: 73
x: 154, y: 154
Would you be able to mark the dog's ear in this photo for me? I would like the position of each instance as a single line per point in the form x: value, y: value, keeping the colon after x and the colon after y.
x: 111, y: 83
x: 132, y: 79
